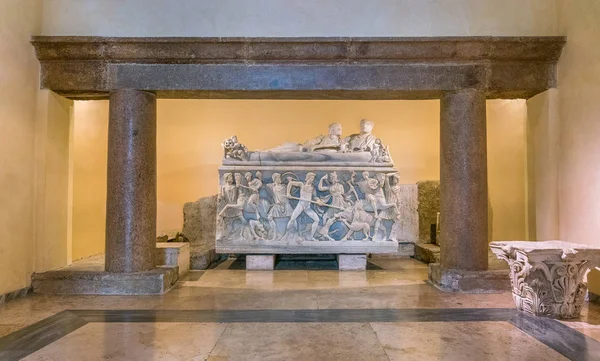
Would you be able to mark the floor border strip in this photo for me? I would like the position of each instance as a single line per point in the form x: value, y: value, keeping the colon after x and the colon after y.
x: 565, y: 340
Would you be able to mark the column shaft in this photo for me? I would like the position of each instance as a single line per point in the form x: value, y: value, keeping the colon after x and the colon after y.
x: 463, y: 181
x: 131, y: 183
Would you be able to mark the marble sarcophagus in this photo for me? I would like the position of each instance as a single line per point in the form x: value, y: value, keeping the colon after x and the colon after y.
x: 327, y: 195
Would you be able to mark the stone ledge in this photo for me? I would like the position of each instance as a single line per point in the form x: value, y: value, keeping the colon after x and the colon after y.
x: 490, y: 281
x: 427, y: 252
x: 154, y: 282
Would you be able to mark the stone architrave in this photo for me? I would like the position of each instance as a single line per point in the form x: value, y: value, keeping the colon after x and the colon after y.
x: 331, y: 194
x: 547, y: 277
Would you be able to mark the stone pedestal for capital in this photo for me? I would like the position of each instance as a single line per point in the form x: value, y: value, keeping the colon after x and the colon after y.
x: 547, y: 277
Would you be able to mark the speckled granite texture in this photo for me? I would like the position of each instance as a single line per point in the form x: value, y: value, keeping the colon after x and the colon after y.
x: 463, y: 178
x: 131, y: 185
x: 348, y: 68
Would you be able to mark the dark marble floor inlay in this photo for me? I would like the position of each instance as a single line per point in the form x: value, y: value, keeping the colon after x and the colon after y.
x: 570, y: 343
x: 563, y: 339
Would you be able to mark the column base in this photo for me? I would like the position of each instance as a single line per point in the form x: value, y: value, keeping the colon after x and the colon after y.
x: 155, y: 282
x: 352, y: 262
x: 490, y: 281
x: 260, y: 262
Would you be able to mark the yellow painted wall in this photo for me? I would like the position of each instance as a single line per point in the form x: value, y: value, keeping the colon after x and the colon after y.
x: 18, y: 96
x: 90, y: 134
x: 52, y: 151
x: 579, y: 160
x: 189, y: 151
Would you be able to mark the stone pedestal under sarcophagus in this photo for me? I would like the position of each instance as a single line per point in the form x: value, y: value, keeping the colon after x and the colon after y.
x: 328, y: 195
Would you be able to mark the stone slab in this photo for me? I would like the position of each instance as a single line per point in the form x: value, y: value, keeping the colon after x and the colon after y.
x: 155, y: 282
x: 346, y: 68
x: 311, y: 247
x: 490, y: 281
x: 174, y: 254
x: 427, y: 252
x: 260, y: 262
x: 352, y: 262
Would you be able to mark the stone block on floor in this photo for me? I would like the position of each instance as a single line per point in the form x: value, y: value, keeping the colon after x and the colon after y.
x: 352, y: 262
x: 200, y: 227
x: 427, y: 252
x: 69, y: 282
x: 489, y: 281
x: 260, y: 262
x: 174, y: 254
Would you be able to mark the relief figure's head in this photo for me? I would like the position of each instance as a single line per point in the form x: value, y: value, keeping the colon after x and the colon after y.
x: 310, y: 178
x: 365, y: 175
x: 333, y: 178
x: 228, y: 178
x: 238, y: 178
x: 335, y: 129
x: 248, y: 176
x: 276, y: 178
x: 366, y: 126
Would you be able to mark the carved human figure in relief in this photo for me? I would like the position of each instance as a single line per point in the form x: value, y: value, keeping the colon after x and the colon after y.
x: 281, y: 203
x: 361, y: 142
x: 331, y: 141
x: 307, y: 196
x: 228, y: 198
x: 336, y: 194
x: 235, y: 196
x: 254, y: 185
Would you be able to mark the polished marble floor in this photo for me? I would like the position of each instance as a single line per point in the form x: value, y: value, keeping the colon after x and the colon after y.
x: 386, y: 313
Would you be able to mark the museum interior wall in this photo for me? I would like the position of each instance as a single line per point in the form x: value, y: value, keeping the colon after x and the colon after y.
x: 34, y: 155
x: 566, y: 177
x: 579, y: 157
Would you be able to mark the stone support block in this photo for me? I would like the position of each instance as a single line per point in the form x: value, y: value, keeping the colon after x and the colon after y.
x: 174, y: 254
x: 261, y: 262
x: 352, y: 262
x: 154, y: 282
x: 449, y: 280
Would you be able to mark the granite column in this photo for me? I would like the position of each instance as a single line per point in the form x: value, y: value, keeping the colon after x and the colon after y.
x: 131, y: 188
x: 463, y: 181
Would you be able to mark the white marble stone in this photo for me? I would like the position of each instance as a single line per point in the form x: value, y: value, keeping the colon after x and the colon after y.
x: 352, y: 262
x: 260, y: 262
x: 547, y: 277
x: 174, y: 254
x: 330, y: 194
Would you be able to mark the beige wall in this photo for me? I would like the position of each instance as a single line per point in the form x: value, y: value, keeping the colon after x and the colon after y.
x: 543, y: 142
x: 18, y: 96
x: 579, y: 91
x: 299, y: 18
x: 189, y: 151
x: 52, y: 151
x: 89, y: 177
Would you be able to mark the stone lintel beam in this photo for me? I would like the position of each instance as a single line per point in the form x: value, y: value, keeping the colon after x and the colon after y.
x: 299, y: 68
